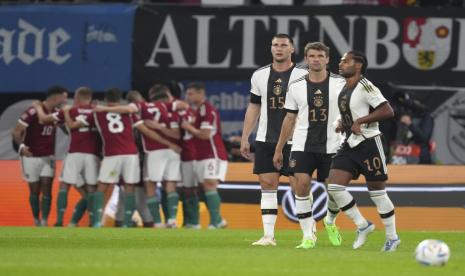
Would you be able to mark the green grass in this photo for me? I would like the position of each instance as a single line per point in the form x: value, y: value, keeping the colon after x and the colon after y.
x: 66, y: 251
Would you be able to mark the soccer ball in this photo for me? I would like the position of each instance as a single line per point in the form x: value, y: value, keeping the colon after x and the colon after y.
x: 432, y: 253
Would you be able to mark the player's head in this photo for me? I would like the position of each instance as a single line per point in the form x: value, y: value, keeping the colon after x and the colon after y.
x: 282, y: 48
x: 83, y: 95
x: 134, y: 96
x: 353, y: 63
x: 316, y: 56
x: 195, y: 93
x: 159, y: 92
x: 113, y: 95
x: 57, y: 95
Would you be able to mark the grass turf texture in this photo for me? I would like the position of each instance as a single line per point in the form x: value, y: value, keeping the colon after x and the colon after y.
x: 109, y: 251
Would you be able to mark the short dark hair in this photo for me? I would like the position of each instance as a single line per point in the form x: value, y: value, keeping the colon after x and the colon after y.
x: 84, y: 92
x: 113, y: 95
x: 360, y: 57
x: 196, y: 86
x: 281, y: 35
x: 319, y: 46
x: 55, y: 90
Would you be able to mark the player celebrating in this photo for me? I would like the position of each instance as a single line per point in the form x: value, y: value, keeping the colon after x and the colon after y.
x: 211, y: 158
x: 361, y: 107
x: 267, y: 96
x: 36, y: 150
x: 312, y: 102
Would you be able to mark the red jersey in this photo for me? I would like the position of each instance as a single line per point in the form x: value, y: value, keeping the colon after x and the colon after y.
x: 40, y: 138
x: 84, y: 139
x: 187, y: 141
x: 116, y: 132
x: 207, y: 117
x: 158, y: 112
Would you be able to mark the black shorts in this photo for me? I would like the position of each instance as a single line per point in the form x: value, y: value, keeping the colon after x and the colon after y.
x: 308, y: 162
x: 263, y: 162
x: 367, y: 158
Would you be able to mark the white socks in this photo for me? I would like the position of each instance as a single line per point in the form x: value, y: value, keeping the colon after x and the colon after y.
x: 304, y: 213
x: 386, y: 212
x: 346, y: 203
x: 332, y: 211
x: 269, y: 207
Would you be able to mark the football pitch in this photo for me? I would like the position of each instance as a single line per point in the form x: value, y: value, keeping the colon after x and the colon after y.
x: 110, y: 251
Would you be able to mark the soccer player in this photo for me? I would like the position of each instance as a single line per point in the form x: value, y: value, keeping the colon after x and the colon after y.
x: 188, y: 185
x: 36, y: 152
x: 211, y: 157
x: 267, y: 96
x: 80, y: 167
x: 361, y: 107
x: 311, y: 106
x: 120, y: 152
x: 163, y: 161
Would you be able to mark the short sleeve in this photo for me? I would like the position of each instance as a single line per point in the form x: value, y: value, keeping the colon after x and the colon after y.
x: 290, y: 104
x: 206, y: 117
x: 28, y: 116
x: 254, y: 87
x: 372, y: 94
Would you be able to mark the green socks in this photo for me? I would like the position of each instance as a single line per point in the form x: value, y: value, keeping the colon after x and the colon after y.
x: 45, y: 206
x: 191, y: 209
x: 154, y: 208
x: 90, y: 207
x: 99, y: 197
x: 213, y: 201
x: 62, y: 202
x: 79, y: 210
x: 34, y: 202
x: 172, y: 202
x: 129, y: 207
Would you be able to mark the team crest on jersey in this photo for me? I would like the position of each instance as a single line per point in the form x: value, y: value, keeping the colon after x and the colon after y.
x: 426, y: 41
x: 318, y: 98
x: 278, y: 88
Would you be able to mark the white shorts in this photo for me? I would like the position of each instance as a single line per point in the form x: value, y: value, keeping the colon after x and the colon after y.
x: 211, y: 169
x: 80, y: 166
x: 33, y: 168
x: 188, y: 174
x: 164, y: 164
x: 125, y: 166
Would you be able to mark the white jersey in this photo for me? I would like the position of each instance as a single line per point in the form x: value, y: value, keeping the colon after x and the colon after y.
x: 316, y: 108
x: 269, y: 89
x: 356, y: 103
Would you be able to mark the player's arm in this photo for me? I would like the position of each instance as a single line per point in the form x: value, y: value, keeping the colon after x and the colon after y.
x: 202, y: 133
x: 250, y: 120
x: 18, y: 138
x: 174, y: 133
x: 286, y: 131
x: 381, y: 112
x: 142, y: 128
x: 43, y: 118
x: 121, y: 109
x: 70, y: 123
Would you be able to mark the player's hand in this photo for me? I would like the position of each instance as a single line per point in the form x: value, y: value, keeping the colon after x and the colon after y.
x: 176, y: 148
x: 337, y: 126
x: 356, y: 128
x: 185, y: 125
x: 406, y: 119
x: 278, y: 160
x: 245, y: 150
x: 181, y: 105
x: 25, y: 151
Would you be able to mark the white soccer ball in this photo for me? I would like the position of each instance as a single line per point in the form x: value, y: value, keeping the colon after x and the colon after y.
x: 432, y: 253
